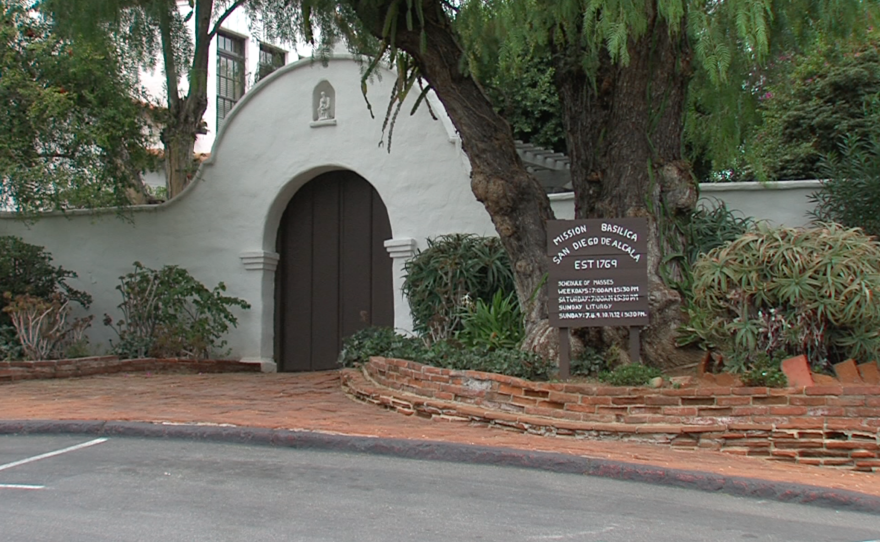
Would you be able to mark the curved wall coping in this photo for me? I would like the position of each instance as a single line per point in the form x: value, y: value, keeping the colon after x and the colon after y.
x: 752, y: 186
x: 755, y: 186
x: 436, y: 106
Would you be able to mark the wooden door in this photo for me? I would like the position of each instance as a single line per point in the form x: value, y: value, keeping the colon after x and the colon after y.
x: 334, y: 276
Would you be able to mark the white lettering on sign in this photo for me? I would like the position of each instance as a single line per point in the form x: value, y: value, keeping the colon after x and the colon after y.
x: 595, y: 264
x: 573, y: 283
x: 590, y: 290
x: 562, y: 254
x: 569, y: 233
x: 621, y: 231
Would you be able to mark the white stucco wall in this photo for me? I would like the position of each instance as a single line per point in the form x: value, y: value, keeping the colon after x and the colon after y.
x: 782, y: 203
x: 265, y: 151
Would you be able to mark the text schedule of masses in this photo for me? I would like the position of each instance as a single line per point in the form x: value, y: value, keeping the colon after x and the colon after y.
x: 598, y: 272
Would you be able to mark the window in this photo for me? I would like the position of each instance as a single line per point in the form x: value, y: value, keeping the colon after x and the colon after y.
x: 271, y: 59
x: 230, y: 74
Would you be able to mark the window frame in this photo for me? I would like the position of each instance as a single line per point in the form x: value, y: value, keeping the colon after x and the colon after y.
x: 275, y: 53
x: 236, y: 56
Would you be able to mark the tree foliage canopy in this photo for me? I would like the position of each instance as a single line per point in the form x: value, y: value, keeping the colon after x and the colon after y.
x: 823, y: 97
x: 74, y: 132
x: 725, y: 57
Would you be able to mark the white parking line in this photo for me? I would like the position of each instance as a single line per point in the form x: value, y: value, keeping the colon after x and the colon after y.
x: 20, y: 486
x: 52, y: 454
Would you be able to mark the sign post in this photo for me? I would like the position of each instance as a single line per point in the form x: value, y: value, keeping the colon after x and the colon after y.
x: 598, y: 276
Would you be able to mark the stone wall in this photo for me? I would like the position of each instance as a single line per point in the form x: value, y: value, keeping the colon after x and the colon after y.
x: 836, y: 426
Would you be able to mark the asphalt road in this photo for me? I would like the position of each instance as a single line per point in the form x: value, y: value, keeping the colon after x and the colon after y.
x: 125, y: 489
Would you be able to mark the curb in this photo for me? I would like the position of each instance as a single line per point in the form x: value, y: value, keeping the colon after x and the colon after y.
x: 461, y: 453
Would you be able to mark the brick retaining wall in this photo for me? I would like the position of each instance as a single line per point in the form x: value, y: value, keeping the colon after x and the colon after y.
x: 835, y: 426
x: 64, y: 368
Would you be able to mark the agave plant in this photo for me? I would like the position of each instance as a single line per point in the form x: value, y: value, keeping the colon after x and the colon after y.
x: 799, y: 291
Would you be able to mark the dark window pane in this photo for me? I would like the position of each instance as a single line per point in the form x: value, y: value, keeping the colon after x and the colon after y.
x: 270, y: 60
x: 230, y: 74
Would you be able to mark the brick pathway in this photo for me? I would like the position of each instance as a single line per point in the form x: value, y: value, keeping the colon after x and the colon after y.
x: 316, y: 402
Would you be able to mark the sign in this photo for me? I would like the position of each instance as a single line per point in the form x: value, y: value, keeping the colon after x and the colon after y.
x: 598, y: 272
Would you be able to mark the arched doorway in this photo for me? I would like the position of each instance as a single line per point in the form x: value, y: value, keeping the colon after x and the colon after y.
x: 334, y: 276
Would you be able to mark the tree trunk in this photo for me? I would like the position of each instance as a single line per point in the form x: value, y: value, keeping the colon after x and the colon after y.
x: 625, y: 131
x: 184, y: 121
x: 516, y: 201
x: 179, y: 143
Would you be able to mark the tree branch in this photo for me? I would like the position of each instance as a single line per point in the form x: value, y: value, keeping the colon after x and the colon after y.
x: 451, y: 6
x: 227, y: 13
x: 168, y: 58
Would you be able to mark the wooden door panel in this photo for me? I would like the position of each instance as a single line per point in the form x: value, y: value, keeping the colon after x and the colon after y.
x: 334, y: 276
x: 355, y: 255
x: 297, y: 286
x: 326, y: 273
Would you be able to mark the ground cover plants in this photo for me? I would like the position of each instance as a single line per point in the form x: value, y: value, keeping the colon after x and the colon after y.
x: 447, y: 353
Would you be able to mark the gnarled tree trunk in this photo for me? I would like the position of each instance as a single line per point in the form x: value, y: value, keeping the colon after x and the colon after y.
x: 625, y: 131
x: 515, y: 200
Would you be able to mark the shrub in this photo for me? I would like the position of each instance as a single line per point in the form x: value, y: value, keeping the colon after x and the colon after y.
x: 445, y: 353
x: 377, y: 341
x: 827, y: 95
x: 168, y: 313
x: 766, y: 371
x: 708, y: 228
x: 27, y: 269
x: 808, y: 291
x: 504, y: 361
x: 43, y: 327
x: 633, y: 374
x: 851, y: 192
x: 493, y: 326
x: 591, y: 362
x: 10, y: 346
x: 454, y: 270
x: 703, y: 230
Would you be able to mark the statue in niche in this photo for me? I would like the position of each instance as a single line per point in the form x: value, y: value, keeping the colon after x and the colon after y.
x: 324, y: 107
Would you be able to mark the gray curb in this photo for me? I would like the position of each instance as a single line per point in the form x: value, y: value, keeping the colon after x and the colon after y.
x: 462, y: 453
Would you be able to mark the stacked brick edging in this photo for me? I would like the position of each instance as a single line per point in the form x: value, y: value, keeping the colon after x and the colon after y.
x: 65, y: 368
x: 819, y: 425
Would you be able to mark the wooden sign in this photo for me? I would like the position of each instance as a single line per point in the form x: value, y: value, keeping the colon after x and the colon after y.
x: 598, y: 272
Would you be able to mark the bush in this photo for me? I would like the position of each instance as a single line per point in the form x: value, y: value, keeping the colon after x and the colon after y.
x: 493, y: 326
x: 27, y: 269
x: 826, y: 96
x: 378, y: 341
x: 169, y: 314
x: 591, y: 362
x: 10, y: 346
x: 633, y: 374
x: 766, y: 371
x: 453, y: 271
x: 703, y: 230
x: 43, y: 327
x: 445, y: 353
x: 850, y: 194
x: 807, y: 291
